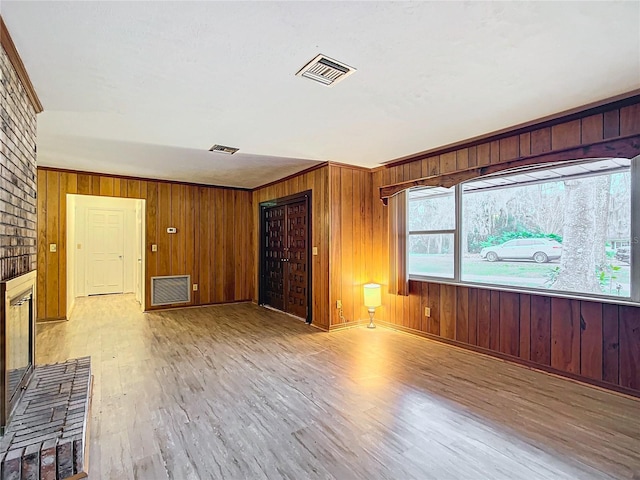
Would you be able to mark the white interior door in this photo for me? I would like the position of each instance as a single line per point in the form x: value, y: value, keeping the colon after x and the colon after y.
x: 105, y: 248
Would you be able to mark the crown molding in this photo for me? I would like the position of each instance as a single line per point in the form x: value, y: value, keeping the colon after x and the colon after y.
x: 16, y: 61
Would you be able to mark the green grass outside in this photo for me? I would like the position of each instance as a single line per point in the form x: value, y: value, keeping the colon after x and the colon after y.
x: 506, y: 273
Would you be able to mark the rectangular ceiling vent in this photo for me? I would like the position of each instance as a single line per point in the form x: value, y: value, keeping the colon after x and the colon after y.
x: 325, y: 70
x: 171, y: 289
x: 223, y: 149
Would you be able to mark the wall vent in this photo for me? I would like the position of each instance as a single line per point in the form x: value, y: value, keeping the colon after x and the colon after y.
x: 325, y: 70
x: 171, y: 289
x: 223, y: 149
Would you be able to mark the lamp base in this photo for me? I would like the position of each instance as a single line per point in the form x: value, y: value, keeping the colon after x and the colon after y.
x: 372, y: 312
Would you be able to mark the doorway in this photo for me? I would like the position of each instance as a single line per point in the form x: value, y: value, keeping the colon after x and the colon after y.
x: 105, y: 236
x: 105, y: 251
x: 285, y: 253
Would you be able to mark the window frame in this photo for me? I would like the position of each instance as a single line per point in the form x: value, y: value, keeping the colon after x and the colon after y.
x: 454, y: 232
x: 634, y: 245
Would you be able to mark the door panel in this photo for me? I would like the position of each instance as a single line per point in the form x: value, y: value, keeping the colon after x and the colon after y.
x: 274, y: 219
x: 296, y: 266
x: 105, y: 245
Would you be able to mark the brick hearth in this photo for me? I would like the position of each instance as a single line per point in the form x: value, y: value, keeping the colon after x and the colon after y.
x: 46, y: 436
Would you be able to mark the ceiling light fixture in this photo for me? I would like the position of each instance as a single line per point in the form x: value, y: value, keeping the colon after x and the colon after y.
x: 325, y: 70
x: 223, y: 149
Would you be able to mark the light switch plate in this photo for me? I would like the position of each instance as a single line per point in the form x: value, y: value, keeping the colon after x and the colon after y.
x: 53, y: 247
x: 427, y: 312
x: 154, y: 248
x: 315, y: 250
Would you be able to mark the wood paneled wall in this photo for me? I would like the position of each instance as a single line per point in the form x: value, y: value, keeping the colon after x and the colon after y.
x: 351, y: 248
x: 317, y: 181
x: 591, y: 341
x: 596, y: 341
x: 213, y: 243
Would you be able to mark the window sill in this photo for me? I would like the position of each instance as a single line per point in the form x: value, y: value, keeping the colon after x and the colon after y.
x: 528, y: 291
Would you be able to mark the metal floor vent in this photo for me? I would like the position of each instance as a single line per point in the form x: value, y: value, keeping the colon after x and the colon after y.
x: 170, y: 290
x: 325, y: 70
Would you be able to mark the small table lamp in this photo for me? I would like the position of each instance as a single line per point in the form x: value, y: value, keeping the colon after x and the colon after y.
x: 372, y: 299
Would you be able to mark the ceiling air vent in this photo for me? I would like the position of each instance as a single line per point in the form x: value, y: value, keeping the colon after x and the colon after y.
x: 325, y: 70
x: 223, y: 149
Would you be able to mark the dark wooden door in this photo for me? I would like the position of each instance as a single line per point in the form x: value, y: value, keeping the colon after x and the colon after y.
x: 297, y: 278
x: 285, y: 265
x: 274, y: 256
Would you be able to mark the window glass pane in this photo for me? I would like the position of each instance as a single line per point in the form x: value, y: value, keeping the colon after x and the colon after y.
x: 431, y: 255
x: 432, y: 209
x: 577, y: 226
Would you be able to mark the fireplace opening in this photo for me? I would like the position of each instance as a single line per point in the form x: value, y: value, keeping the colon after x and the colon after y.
x: 17, y: 332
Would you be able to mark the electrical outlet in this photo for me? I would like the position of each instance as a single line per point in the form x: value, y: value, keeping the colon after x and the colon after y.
x: 427, y: 312
x: 339, y: 304
x: 195, y: 287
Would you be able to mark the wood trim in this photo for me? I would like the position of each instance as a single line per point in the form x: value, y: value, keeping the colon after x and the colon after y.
x: 52, y: 320
x: 212, y: 304
x: 10, y: 48
x: 516, y: 360
x: 142, y: 179
x: 600, y: 106
x: 625, y: 147
x: 293, y: 175
x: 353, y: 167
x: 344, y: 326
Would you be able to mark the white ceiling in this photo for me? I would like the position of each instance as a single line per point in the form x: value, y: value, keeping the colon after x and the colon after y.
x: 145, y: 88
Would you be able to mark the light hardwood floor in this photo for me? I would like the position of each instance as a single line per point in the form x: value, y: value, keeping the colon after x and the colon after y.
x: 241, y: 392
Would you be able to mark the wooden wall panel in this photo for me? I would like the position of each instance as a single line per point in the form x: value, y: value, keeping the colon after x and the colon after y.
x: 565, y: 335
x: 525, y: 327
x: 593, y: 341
x: 351, y: 252
x: 629, y: 347
x: 317, y: 181
x: 473, y: 316
x: 510, y: 323
x: 484, y: 318
x: 53, y: 259
x: 610, y: 344
x: 494, y: 321
x: 448, y: 311
x: 462, y: 314
x: 611, y: 124
x: 167, y: 204
x: 433, y: 302
x: 592, y: 129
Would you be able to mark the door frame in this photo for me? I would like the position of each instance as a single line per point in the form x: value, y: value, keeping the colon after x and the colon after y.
x: 71, y: 235
x: 277, y: 202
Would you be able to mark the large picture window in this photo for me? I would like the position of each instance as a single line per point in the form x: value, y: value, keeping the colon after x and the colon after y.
x: 564, y: 228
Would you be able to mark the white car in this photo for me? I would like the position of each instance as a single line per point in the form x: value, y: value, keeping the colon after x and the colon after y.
x: 540, y: 250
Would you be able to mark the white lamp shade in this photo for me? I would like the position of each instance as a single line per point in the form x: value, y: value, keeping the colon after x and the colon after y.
x: 372, y: 295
